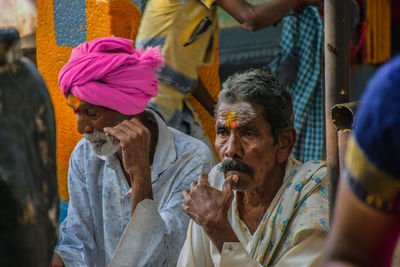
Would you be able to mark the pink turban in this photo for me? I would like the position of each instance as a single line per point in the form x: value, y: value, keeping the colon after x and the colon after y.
x: 109, y: 72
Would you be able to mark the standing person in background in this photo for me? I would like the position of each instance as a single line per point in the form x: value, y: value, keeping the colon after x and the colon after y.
x: 187, y: 31
x: 366, y: 225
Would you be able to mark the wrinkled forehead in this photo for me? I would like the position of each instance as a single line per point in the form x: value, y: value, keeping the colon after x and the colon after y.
x: 235, y: 114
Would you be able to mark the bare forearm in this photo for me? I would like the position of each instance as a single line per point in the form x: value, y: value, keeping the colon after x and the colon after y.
x: 221, y: 233
x: 141, y: 190
x: 203, y: 96
x: 255, y: 17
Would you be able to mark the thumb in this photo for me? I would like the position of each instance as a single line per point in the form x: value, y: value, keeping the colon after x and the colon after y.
x: 229, y: 183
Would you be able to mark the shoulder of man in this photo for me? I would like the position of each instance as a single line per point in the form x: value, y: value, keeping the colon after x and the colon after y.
x: 310, y: 214
x: 309, y: 175
x: 309, y: 189
x: 312, y: 204
x: 190, y: 147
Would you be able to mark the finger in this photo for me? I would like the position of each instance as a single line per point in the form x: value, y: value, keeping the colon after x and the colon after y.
x: 235, y: 178
x: 229, y: 183
x: 137, y: 122
x: 193, y: 185
x: 136, y: 130
x: 134, y: 126
x: 186, y: 195
x: 116, y: 132
x: 203, y: 179
x: 185, y: 208
x: 124, y: 130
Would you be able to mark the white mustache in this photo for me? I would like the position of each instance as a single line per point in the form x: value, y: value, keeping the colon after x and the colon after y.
x: 97, y: 137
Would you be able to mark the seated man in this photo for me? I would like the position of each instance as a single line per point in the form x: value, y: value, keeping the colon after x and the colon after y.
x: 258, y: 206
x: 366, y: 226
x: 130, y: 169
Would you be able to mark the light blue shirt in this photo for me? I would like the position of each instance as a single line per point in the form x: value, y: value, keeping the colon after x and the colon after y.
x: 100, y: 203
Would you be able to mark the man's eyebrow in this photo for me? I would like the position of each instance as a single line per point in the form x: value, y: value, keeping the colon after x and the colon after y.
x: 219, y: 124
x: 246, y: 125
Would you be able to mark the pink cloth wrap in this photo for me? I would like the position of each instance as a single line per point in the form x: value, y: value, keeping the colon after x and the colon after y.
x: 109, y: 72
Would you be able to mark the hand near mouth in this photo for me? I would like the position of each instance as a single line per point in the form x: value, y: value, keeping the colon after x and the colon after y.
x: 209, y: 207
x: 232, y: 175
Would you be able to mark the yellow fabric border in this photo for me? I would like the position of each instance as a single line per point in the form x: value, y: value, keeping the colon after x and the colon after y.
x: 382, y: 188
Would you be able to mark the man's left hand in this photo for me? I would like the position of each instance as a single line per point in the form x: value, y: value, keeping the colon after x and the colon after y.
x: 135, y: 138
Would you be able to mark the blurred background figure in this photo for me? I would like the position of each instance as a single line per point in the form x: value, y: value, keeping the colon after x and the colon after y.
x: 366, y: 223
x: 188, y: 31
x: 28, y: 179
x: 21, y: 15
x: 291, y: 48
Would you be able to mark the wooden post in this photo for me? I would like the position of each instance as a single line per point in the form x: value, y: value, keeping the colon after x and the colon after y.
x: 336, y: 79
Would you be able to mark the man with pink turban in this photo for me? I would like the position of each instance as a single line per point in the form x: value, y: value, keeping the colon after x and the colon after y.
x: 127, y: 174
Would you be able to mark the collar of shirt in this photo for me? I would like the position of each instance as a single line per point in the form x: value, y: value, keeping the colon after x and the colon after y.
x: 164, y: 155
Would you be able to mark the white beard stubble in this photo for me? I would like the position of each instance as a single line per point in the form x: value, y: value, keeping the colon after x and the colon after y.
x: 102, y: 144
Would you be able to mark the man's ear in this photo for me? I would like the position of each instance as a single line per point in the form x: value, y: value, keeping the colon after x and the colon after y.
x: 286, y: 140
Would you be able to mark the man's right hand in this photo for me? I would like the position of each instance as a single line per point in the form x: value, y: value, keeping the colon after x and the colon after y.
x: 208, y: 207
x: 57, y: 261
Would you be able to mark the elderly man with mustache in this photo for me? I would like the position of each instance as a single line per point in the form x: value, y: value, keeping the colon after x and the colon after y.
x: 127, y: 175
x: 259, y: 206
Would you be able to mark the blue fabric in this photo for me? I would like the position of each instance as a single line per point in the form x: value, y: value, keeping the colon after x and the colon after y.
x: 100, y: 203
x: 63, y: 210
x: 63, y: 214
x: 377, y: 123
x: 372, y: 168
x: 301, y: 45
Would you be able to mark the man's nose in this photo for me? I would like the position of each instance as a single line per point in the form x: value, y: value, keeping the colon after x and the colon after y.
x: 84, y: 124
x: 234, y: 148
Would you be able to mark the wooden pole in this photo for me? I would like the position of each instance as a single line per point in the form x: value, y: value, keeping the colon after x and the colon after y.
x: 336, y: 79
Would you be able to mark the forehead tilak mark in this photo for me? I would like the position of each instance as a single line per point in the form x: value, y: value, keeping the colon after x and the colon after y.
x: 231, y: 119
x: 236, y: 114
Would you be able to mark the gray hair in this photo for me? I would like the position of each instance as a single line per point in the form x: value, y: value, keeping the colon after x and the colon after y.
x: 261, y: 88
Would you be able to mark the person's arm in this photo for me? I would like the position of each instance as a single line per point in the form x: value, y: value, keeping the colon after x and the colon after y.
x: 361, y: 235
x: 209, y: 207
x: 77, y: 246
x: 202, y: 95
x: 197, y: 251
x: 135, y: 138
x: 155, y: 235
x: 255, y: 17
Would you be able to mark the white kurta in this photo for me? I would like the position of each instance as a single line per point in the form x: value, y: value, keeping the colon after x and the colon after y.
x: 291, y: 233
x: 99, y: 212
